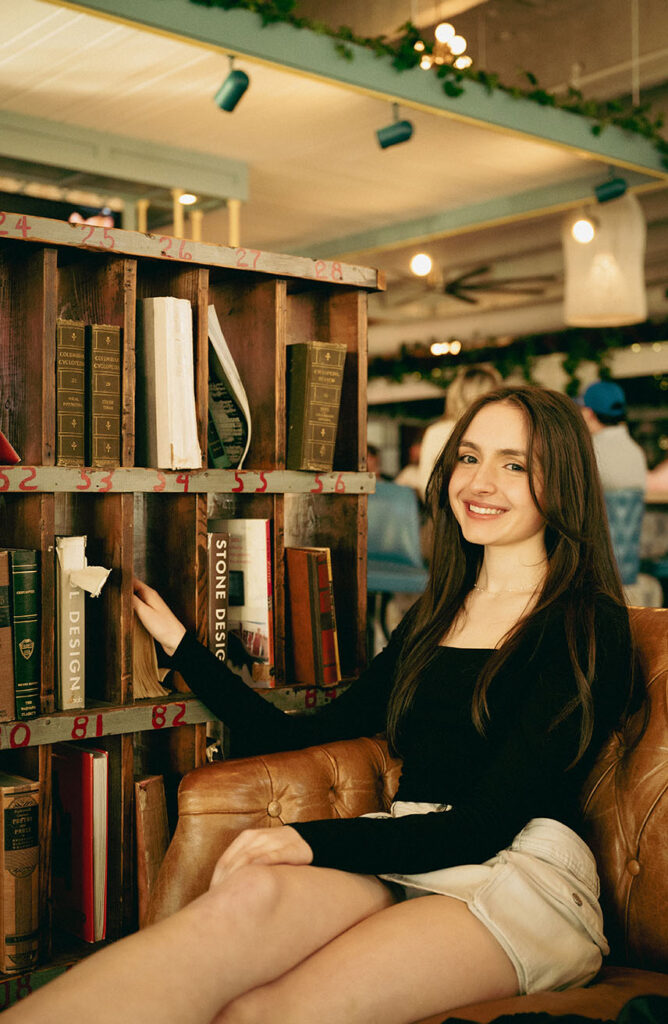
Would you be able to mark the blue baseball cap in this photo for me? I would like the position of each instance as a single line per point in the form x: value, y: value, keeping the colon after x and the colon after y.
x: 605, y: 398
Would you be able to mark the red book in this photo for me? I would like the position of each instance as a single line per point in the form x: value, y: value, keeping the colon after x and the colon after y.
x: 315, y: 645
x: 80, y: 839
x: 8, y: 455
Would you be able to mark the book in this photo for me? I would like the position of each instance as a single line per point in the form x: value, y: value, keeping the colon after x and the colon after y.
x: 146, y: 676
x: 19, y: 854
x: 250, y: 618
x: 315, y: 377
x: 217, y: 548
x: 70, y: 392
x: 25, y: 618
x: 80, y: 839
x: 166, y: 416
x: 315, y: 644
x: 103, y: 373
x: 7, y: 699
x: 8, y: 454
x: 229, y: 423
x: 70, y: 624
x: 152, y: 832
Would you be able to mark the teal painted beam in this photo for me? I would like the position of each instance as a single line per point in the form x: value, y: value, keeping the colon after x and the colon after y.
x: 301, y: 50
x: 535, y: 202
x: 118, y: 156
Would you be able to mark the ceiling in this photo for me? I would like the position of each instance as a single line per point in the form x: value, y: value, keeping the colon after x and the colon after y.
x: 305, y: 152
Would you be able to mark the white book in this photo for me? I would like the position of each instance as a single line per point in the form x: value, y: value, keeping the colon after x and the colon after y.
x: 71, y: 624
x: 166, y: 413
x: 228, y: 403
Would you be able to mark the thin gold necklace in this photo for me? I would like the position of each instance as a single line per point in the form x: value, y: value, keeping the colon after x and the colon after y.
x: 508, y: 590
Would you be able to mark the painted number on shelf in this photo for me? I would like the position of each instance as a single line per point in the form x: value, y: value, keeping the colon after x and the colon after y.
x: 159, y: 717
x: 318, y: 485
x: 4, y: 481
x: 22, y: 226
x: 85, y: 481
x: 22, y: 988
x: 310, y: 697
x: 184, y: 478
x: 162, y: 480
x: 181, y: 254
x: 25, y: 483
x: 108, y: 240
x: 340, y: 485
x: 80, y: 727
x: 263, y: 484
x: 238, y: 482
x: 19, y: 735
x: 243, y: 257
x: 325, y: 271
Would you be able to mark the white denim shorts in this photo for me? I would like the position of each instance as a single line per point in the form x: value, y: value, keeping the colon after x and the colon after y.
x: 538, y: 897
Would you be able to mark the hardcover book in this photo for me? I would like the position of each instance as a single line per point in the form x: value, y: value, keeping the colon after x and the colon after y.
x: 217, y: 546
x: 250, y: 618
x: 8, y: 454
x: 104, y: 395
x: 315, y: 645
x: 70, y: 624
x: 25, y: 608
x: 80, y: 839
x: 70, y: 392
x: 166, y: 417
x: 315, y: 377
x: 19, y: 855
x: 152, y: 837
x: 229, y: 429
x: 7, y: 700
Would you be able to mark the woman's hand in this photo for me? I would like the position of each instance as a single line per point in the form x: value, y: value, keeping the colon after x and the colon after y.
x: 263, y: 846
x: 157, y: 617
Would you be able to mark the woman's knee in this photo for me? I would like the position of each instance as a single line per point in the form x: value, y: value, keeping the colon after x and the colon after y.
x: 250, y: 893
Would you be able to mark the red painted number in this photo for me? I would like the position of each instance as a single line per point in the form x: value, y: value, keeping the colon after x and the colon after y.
x: 340, y: 485
x: 239, y: 482
x: 3, y: 218
x: 263, y: 486
x: 159, y: 720
x: 108, y: 240
x: 4, y: 481
x: 80, y: 727
x: 22, y: 226
x: 241, y: 258
x: 20, y: 735
x: 183, y: 252
x: 108, y: 482
x: 310, y: 697
x: 23, y: 986
x: 337, y: 272
x: 167, y: 241
x: 32, y: 473
x: 91, y: 231
x: 179, y: 717
x: 98, y: 725
x: 86, y: 481
x: 318, y: 485
x: 184, y: 478
x: 160, y: 486
x: 321, y: 270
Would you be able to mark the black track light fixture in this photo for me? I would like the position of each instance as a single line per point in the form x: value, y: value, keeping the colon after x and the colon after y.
x: 232, y: 89
x: 398, y: 131
x: 613, y: 188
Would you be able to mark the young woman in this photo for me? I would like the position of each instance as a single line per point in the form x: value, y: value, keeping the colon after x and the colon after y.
x: 497, y: 690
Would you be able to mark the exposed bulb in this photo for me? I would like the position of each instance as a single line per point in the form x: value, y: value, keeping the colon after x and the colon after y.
x: 421, y: 264
x: 445, y: 32
x: 457, y: 45
x: 583, y: 230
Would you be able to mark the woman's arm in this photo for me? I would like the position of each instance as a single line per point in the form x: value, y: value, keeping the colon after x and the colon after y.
x: 257, y: 726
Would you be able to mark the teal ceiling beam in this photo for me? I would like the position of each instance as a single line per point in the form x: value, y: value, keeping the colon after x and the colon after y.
x: 505, y: 209
x: 240, y: 32
x: 117, y: 156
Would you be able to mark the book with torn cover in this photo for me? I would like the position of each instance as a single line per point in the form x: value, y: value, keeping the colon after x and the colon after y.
x: 229, y: 423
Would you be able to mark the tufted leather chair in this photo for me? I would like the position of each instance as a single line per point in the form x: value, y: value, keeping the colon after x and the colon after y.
x: 625, y: 803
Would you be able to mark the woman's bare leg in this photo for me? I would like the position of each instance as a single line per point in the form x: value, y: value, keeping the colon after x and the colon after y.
x: 239, y: 935
x: 402, y: 964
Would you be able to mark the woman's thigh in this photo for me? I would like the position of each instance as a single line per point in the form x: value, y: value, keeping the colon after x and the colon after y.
x: 399, y: 965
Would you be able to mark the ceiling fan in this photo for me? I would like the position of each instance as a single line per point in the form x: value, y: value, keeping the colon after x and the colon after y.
x: 467, y: 287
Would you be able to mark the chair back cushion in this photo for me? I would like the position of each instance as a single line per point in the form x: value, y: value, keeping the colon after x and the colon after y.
x: 394, y: 525
x: 625, y: 803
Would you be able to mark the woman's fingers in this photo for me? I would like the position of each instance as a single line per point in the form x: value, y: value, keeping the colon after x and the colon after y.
x: 157, y: 616
x: 263, y: 846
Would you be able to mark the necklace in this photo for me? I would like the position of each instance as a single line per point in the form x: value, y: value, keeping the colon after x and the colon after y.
x: 507, y: 590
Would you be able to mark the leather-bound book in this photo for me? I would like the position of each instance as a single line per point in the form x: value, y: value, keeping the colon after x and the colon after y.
x: 315, y: 644
x: 104, y: 396
x: 70, y: 392
x: 25, y: 615
x: 19, y: 873
x: 315, y: 376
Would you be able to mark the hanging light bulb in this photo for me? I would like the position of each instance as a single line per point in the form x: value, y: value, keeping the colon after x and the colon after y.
x: 463, y: 62
x: 457, y: 45
x: 419, y: 46
x: 421, y: 264
x: 444, y: 32
x: 583, y: 230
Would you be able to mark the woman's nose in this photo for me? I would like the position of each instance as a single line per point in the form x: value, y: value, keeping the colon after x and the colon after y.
x: 483, y: 479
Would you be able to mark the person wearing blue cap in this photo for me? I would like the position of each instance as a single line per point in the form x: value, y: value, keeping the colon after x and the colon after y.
x: 621, y: 462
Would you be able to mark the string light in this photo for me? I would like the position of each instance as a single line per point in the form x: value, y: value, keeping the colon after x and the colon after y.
x: 448, y: 48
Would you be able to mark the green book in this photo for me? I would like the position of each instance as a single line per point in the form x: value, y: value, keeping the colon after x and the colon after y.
x: 315, y: 377
x: 104, y: 396
x: 70, y: 387
x: 25, y: 615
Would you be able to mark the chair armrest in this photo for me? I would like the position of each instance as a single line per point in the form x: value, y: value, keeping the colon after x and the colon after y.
x: 216, y: 802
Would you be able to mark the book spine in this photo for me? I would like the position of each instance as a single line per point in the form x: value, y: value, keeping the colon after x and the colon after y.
x: 314, y: 384
x: 19, y: 849
x: 218, y: 567
x: 329, y: 641
x: 152, y: 837
x: 104, y: 387
x: 71, y: 624
x: 70, y: 393
x: 26, y: 632
x: 7, y: 700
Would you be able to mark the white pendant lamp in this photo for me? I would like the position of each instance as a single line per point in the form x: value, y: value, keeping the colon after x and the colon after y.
x: 604, y: 277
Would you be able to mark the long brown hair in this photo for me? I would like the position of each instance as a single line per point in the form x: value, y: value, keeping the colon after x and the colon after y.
x: 581, y: 563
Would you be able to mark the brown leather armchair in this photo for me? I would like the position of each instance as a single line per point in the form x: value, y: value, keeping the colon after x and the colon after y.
x: 625, y: 805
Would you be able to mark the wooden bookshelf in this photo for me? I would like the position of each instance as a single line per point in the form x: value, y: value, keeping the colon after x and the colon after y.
x: 153, y: 523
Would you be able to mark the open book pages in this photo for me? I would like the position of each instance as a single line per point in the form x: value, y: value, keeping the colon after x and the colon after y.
x: 229, y: 431
x: 146, y: 676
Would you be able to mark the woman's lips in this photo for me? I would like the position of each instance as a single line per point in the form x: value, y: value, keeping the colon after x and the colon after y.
x: 484, y: 511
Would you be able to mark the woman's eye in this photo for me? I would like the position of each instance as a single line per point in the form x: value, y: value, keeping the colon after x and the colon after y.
x: 467, y: 459
x: 516, y: 467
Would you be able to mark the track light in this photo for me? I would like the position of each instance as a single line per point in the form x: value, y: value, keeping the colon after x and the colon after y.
x: 398, y: 131
x: 611, y: 189
x: 232, y: 89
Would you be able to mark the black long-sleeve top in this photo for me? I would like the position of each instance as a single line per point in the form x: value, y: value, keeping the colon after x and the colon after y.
x: 520, y: 769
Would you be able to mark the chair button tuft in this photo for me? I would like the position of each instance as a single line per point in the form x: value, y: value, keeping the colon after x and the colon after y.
x: 332, y: 796
x: 274, y: 809
x: 633, y: 867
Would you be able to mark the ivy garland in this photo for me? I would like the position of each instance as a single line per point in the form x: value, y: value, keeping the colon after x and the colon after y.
x: 577, y: 345
x: 403, y: 54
